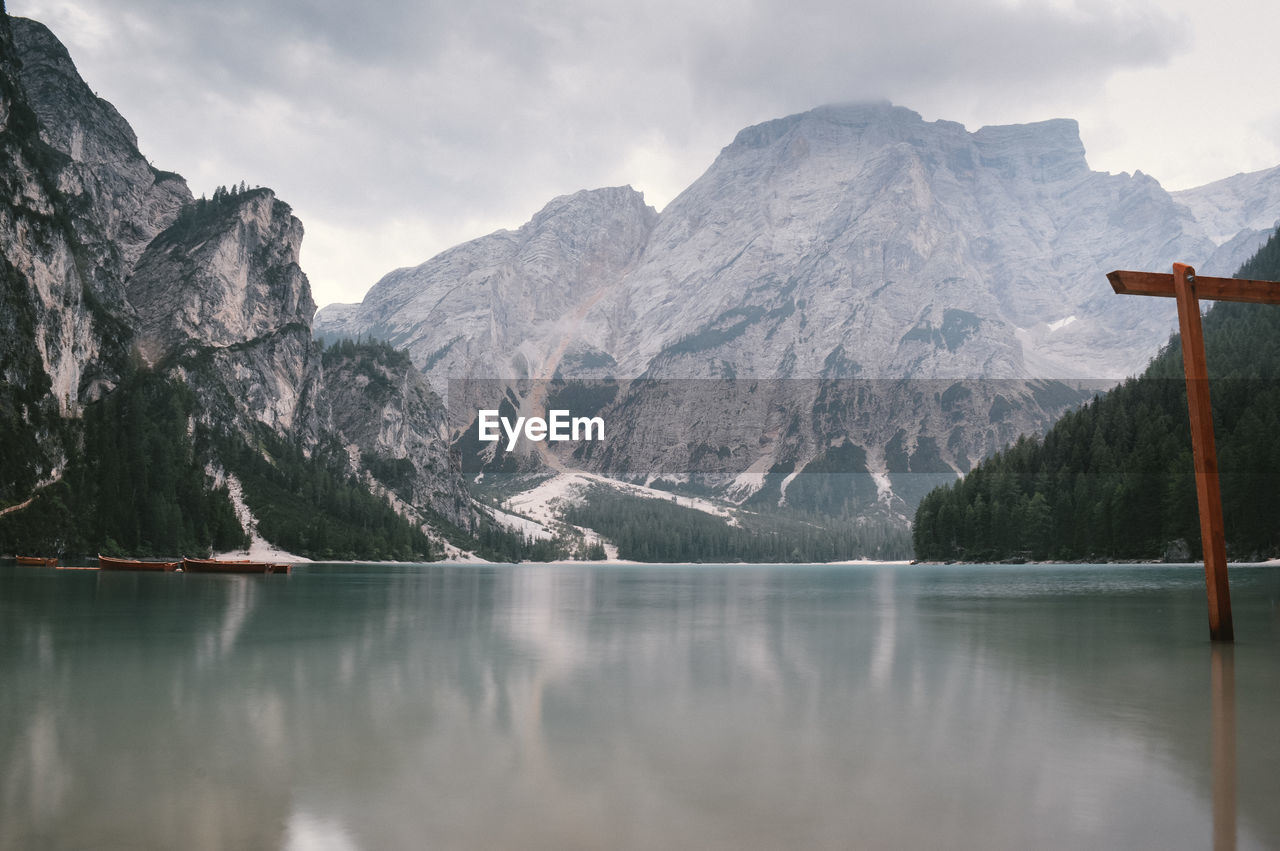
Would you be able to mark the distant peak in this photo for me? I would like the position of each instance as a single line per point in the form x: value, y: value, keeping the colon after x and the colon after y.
x: 854, y: 115
x: 1047, y: 125
x: 1052, y: 133
x: 861, y: 111
x: 1045, y: 150
x: 606, y: 198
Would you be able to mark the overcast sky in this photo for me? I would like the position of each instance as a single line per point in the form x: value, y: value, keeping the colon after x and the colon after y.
x: 398, y: 130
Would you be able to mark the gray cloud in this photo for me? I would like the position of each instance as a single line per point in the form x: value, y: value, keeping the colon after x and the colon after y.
x: 457, y: 115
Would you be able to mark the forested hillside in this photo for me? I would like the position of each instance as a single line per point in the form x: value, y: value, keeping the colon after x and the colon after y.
x: 1115, y: 479
x: 656, y: 530
x: 133, y: 483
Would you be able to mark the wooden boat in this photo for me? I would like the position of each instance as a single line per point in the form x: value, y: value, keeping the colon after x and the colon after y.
x: 107, y: 563
x: 37, y: 561
x: 216, y: 565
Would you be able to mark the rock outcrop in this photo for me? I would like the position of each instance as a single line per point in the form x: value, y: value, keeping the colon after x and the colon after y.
x: 238, y: 325
x: 121, y: 200
x: 503, y: 305
x: 394, y: 427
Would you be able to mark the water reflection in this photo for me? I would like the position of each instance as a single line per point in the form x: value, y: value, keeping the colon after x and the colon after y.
x: 1222, y: 681
x: 618, y: 707
x: 308, y: 832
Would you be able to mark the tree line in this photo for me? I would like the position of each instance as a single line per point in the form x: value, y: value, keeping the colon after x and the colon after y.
x: 659, y: 530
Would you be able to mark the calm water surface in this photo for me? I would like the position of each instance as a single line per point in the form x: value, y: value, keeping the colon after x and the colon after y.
x: 638, y: 707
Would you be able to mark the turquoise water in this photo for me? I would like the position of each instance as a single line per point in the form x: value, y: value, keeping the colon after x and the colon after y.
x: 568, y: 706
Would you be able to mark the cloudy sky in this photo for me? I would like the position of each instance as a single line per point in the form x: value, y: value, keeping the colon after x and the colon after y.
x: 400, y: 129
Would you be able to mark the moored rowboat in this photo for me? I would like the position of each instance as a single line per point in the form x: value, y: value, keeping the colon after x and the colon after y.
x: 107, y: 563
x: 214, y: 565
x: 37, y: 561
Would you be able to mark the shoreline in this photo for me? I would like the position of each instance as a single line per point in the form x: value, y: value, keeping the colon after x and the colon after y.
x: 272, y: 554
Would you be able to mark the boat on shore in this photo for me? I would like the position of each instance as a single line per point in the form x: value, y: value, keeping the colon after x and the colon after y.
x: 107, y: 563
x: 185, y: 565
x: 214, y: 565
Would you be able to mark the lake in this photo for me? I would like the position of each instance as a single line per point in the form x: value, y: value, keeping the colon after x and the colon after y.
x: 570, y: 706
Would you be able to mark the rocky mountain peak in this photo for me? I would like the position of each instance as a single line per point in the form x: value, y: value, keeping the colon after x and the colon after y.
x: 1242, y: 202
x: 848, y: 120
x: 607, y: 225
x: 843, y: 143
x: 240, y: 253
x: 852, y: 242
x: 853, y: 227
x: 127, y: 202
x: 1043, y: 151
x: 65, y: 104
x: 514, y: 300
x: 568, y: 210
x: 102, y: 255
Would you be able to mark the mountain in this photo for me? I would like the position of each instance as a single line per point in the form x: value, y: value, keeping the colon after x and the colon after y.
x: 510, y: 300
x: 157, y: 348
x: 844, y: 227
x: 834, y: 256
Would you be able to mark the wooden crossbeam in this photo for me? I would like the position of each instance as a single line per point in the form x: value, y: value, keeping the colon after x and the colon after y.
x: 1213, y: 289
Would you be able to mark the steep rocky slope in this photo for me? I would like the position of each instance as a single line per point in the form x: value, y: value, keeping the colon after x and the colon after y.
x: 389, y: 416
x: 240, y: 320
x: 121, y: 201
x: 514, y: 303
x: 62, y: 314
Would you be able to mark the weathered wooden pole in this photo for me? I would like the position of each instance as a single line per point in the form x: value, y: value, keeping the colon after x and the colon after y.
x: 1187, y: 289
x: 1203, y: 449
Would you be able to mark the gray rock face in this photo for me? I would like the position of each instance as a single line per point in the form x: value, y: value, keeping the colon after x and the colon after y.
x: 222, y: 288
x: 511, y: 303
x: 1239, y: 213
x: 748, y: 439
x: 388, y: 417
x: 82, y: 204
x: 918, y: 250
x: 238, y: 259
x: 121, y: 201
x: 45, y: 326
x: 849, y: 242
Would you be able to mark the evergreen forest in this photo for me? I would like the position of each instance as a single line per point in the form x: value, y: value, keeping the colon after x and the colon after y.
x: 132, y: 483
x: 135, y: 484
x: 658, y: 530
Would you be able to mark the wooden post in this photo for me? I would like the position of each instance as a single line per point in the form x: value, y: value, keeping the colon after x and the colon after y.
x: 1184, y: 286
x: 1206, y: 455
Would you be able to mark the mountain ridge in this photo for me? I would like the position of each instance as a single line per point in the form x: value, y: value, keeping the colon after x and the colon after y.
x: 849, y: 243
x: 945, y: 174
